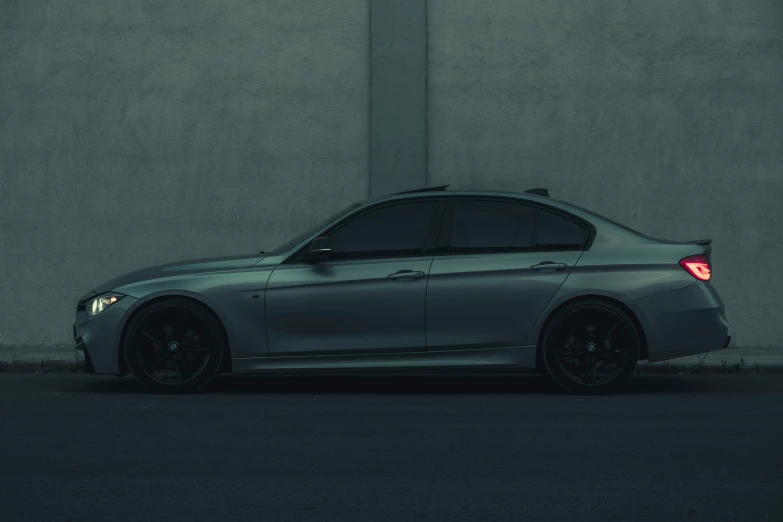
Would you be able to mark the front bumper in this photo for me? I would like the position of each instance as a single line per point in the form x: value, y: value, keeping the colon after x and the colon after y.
x: 685, y: 322
x: 82, y: 356
x: 97, y: 338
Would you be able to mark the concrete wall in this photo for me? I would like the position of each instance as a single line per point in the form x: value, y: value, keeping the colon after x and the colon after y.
x: 398, y: 95
x: 667, y: 116
x: 136, y: 133
x: 146, y: 132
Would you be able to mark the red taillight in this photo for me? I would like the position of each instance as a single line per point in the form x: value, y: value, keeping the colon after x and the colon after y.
x: 697, y: 266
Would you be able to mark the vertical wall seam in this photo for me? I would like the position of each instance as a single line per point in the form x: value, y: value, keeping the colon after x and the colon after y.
x: 426, y: 95
x: 369, y: 98
x: 398, y: 97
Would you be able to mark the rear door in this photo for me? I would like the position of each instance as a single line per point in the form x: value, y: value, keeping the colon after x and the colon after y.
x: 498, y: 264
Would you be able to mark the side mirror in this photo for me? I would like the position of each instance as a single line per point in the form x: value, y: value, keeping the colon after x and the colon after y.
x: 318, y: 250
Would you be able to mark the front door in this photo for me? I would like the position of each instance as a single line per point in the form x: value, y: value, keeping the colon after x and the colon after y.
x: 496, y: 273
x: 369, y: 297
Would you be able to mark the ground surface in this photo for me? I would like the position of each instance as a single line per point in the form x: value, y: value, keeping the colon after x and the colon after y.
x: 698, y: 447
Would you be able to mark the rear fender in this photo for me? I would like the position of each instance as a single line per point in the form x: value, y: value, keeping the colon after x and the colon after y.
x: 595, y: 276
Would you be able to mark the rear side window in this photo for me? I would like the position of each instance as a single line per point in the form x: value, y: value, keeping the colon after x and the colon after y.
x: 556, y: 232
x: 491, y: 226
x: 486, y: 226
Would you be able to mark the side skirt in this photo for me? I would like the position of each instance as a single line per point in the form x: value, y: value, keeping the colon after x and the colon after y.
x: 512, y: 357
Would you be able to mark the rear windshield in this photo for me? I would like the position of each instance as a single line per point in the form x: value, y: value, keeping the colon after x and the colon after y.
x: 599, y: 216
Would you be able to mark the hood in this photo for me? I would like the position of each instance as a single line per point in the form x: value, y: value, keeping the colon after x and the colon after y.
x: 211, y: 264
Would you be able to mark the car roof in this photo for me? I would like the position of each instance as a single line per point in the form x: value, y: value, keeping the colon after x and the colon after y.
x: 525, y: 196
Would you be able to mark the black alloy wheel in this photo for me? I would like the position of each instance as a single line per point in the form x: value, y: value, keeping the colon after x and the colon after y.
x: 174, y: 346
x: 591, y: 347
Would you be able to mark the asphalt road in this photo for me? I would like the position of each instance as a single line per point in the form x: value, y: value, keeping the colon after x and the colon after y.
x: 77, y: 447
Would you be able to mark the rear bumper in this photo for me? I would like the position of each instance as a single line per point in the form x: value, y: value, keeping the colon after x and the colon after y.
x: 685, y: 322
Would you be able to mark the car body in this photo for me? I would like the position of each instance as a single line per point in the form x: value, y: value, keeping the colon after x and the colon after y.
x: 465, y: 299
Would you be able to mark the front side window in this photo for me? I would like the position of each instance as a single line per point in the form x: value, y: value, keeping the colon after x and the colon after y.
x: 491, y: 226
x: 390, y: 231
x: 294, y: 241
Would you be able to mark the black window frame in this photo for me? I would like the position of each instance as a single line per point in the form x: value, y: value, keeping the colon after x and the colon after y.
x: 433, y: 232
x: 443, y: 245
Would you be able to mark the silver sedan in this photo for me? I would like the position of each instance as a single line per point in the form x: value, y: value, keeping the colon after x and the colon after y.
x: 421, y: 280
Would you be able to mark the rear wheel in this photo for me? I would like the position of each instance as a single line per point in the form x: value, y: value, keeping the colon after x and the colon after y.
x: 590, y: 347
x: 174, y: 346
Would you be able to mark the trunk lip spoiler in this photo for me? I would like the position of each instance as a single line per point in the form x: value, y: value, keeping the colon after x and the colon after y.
x: 704, y: 242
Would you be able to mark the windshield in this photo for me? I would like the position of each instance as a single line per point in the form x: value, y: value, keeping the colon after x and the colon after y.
x: 291, y: 243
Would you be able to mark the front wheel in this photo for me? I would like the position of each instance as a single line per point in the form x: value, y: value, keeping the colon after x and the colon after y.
x: 174, y: 346
x: 590, y: 347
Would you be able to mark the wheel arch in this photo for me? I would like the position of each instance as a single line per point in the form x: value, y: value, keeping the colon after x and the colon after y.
x: 123, y: 365
x: 643, y: 353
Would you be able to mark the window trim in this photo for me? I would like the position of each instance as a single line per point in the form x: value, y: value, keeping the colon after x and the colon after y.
x: 444, y: 240
x: 433, y: 230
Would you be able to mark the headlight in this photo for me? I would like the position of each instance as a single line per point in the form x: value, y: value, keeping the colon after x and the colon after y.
x: 101, y: 303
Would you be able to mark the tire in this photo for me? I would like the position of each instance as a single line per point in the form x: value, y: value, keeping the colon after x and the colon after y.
x: 174, y: 346
x: 590, y: 347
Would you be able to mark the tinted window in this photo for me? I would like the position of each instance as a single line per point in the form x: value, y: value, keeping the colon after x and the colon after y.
x: 391, y: 231
x: 556, y: 232
x: 491, y: 226
x: 291, y: 243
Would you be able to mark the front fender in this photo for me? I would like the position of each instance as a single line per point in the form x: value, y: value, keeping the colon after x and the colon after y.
x: 236, y: 297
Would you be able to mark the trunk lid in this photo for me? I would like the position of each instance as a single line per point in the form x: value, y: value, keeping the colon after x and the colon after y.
x: 706, y: 245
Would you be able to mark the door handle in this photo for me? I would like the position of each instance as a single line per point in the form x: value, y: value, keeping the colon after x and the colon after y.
x: 405, y: 275
x: 549, y: 266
